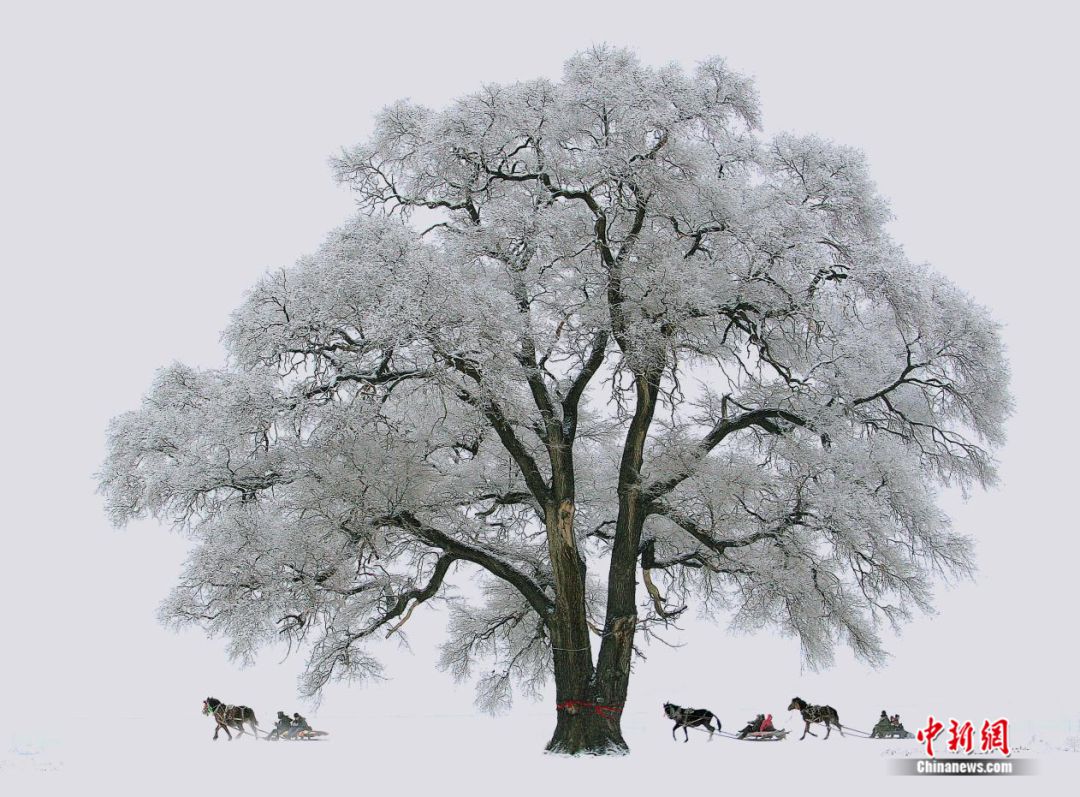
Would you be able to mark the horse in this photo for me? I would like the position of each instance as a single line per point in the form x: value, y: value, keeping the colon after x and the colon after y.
x: 826, y: 714
x: 225, y: 716
x: 690, y: 718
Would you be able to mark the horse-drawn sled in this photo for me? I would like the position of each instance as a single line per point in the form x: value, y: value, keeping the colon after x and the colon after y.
x: 759, y: 729
x: 240, y: 718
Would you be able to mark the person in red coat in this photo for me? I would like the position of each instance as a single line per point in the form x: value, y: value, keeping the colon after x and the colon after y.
x: 766, y: 724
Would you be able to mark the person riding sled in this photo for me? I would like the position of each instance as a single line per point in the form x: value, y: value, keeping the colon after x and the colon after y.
x: 886, y: 726
x: 753, y: 726
x: 298, y: 726
x: 284, y: 722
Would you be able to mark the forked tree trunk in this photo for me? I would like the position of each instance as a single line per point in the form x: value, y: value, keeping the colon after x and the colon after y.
x: 585, y: 724
x: 590, y: 702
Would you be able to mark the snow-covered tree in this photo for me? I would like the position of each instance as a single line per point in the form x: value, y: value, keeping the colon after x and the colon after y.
x: 579, y: 334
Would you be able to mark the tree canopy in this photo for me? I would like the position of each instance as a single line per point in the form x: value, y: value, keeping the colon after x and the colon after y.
x: 578, y: 333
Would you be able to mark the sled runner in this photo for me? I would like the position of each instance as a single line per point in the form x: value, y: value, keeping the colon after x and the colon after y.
x: 303, y: 736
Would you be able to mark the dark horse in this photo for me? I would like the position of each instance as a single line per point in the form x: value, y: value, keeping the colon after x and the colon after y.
x: 826, y: 714
x: 234, y: 716
x: 690, y: 718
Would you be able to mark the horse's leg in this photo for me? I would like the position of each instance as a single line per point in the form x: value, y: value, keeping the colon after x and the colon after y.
x: 216, y: 729
x: 839, y: 727
x: 227, y: 733
x: 828, y: 728
x: 686, y: 733
x: 673, y: 732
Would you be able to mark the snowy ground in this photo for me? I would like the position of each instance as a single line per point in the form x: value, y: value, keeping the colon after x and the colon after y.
x: 470, y: 755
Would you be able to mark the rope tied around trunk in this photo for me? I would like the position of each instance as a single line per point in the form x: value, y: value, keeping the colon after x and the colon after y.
x: 573, y: 706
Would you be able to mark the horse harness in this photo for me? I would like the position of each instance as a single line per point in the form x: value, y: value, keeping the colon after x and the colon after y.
x: 816, y: 713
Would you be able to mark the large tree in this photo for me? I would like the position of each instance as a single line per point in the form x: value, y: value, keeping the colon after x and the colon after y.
x: 579, y: 333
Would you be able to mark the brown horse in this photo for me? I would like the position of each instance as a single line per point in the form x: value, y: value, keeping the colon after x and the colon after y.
x: 826, y: 714
x: 226, y: 716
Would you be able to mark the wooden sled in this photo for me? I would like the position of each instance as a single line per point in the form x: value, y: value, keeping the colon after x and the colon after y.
x: 892, y: 732
x: 303, y: 736
x: 765, y: 736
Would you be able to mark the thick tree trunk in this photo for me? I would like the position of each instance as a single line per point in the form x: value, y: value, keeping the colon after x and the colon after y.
x: 586, y: 723
x: 588, y: 727
x: 590, y: 703
x: 590, y: 700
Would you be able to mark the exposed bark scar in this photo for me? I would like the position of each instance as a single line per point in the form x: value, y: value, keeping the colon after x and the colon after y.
x: 566, y: 523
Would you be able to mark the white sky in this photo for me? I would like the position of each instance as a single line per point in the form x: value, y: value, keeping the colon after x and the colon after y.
x: 153, y: 163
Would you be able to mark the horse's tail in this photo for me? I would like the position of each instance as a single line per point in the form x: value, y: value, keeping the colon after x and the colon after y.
x: 717, y: 721
x: 836, y: 718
